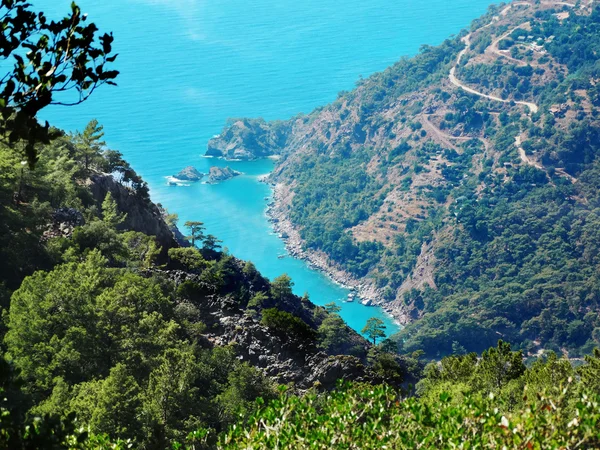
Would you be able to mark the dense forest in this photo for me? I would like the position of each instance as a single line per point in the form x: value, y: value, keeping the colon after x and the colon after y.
x: 107, y: 318
x: 117, y: 331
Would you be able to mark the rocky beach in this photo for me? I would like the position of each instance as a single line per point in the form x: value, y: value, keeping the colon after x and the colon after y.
x: 364, y: 292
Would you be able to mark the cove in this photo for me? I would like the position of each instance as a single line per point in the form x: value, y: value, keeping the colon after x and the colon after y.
x: 188, y: 65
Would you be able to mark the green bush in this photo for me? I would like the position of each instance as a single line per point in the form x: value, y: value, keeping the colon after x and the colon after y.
x: 187, y: 258
x: 286, y: 324
x: 367, y: 417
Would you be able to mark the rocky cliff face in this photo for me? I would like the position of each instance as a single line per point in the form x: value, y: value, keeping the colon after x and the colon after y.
x: 248, y: 139
x: 285, y: 359
x: 142, y: 215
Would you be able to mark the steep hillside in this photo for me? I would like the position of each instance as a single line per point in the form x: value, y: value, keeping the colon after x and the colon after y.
x: 109, y: 315
x: 457, y: 188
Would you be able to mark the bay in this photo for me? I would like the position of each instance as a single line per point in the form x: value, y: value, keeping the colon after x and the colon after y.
x: 188, y: 65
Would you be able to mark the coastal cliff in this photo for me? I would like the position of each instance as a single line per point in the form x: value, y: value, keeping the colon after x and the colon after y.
x: 142, y: 216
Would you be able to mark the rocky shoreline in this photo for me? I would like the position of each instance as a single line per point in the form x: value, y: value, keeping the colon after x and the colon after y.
x: 364, y: 292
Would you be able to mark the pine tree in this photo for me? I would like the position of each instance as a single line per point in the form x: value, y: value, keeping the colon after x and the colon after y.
x: 196, y: 231
x: 281, y: 287
x: 332, y: 308
x: 110, y: 212
x: 333, y: 334
x: 89, y: 143
x: 374, y: 329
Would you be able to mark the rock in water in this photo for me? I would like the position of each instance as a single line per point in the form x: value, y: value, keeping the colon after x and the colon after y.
x: 190, y: 173
x: 217, y: 174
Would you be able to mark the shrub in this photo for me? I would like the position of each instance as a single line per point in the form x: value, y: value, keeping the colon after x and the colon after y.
x: 286, y: 324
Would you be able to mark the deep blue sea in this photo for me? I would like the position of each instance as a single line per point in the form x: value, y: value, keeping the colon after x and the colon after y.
x: 188, y: 65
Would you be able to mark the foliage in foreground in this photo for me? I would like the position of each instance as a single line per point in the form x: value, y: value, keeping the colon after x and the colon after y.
x: 365, y: 417
x: 464, y: 402
x: 369, y: 417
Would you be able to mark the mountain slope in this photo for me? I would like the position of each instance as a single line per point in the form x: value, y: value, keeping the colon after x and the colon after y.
x: 458, y: 187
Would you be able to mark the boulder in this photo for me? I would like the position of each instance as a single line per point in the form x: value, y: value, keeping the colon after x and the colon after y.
x: 64, y: 221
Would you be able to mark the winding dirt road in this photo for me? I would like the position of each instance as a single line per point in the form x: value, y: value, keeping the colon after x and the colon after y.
x: 524, y: 156
x: 493, y: 48
x: 533, y: 108
x: 527, y: 160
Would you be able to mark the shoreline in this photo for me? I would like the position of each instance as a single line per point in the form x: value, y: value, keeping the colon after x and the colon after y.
x: 365, y: 292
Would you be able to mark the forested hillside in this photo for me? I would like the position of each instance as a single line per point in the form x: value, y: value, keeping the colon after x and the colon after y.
x: 461, y: 183
x: 475, y: 218
x: 107, y: 318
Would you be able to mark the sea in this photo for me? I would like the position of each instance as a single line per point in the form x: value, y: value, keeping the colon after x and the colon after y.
x: 189, y: 65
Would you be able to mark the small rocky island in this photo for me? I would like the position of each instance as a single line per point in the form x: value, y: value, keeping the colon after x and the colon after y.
x: 249, y: 139
x: 218, y: 174
x: 190, y: 173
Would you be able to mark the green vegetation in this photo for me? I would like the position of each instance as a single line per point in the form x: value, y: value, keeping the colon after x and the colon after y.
x: 374, y: 329
x: 95, y: 327
x: 49, y: 59
x: 196, y: 231
x: 491, y: 402
x: 332, y: 196
x: 110, y: 330
x: 494, y: 402
x: 116, y: 338
x: 386, y: 421
x: 421, y: 189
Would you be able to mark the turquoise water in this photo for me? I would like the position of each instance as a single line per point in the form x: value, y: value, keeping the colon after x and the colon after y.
x: 188, y: 65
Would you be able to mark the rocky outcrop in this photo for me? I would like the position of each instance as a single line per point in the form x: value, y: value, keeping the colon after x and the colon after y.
x: 284, y: 358
x: 142, y: 215
x: 64, y: 221
x: 327, y: 370
x: 179, y: 237
x: 218, y: 174
x: 249, y: 139
x: 190, y: 173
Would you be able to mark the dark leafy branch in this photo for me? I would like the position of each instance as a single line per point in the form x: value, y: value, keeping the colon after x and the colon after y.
x: 55, y: 63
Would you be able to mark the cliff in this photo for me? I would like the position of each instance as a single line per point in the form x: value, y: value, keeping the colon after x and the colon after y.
x: 142, y: 215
